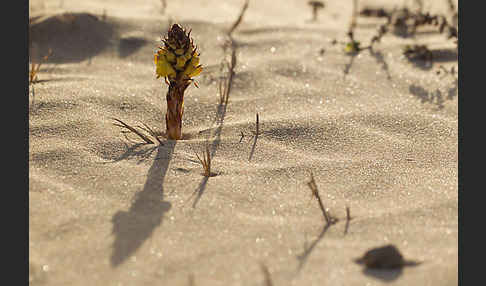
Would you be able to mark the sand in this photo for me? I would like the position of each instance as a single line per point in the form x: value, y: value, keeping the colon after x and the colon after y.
x: 381, y: 140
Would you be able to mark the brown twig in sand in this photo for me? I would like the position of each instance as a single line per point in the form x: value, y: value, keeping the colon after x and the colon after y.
x: 255, y: 134
x: 315, y: 192
x: 151, y: 132
x: 242, y: 136
x: 240, y: 18
x: 133, y: 130
x: 205, y: 162
x: 257, y: 126
x: 35, y: 67
x: 348, y: 219
x: 226, y: 82
x: 330, y: 220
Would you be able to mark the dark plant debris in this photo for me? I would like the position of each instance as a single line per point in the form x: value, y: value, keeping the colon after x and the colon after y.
x: 384, y: 257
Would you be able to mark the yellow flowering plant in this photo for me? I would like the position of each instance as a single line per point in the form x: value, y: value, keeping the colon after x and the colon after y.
x: 177, y: 61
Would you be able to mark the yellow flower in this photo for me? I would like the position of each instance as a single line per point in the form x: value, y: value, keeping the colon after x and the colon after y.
x: 192, y: 71
x: 177, y: 58
x: 181, y: 62
x: 352, y: 47
x: 170, y: 56
x: 163, y: 67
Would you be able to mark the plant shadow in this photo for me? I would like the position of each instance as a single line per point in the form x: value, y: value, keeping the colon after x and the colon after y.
x: 73, y: 37
x: 130, y: 45
x: 348, y: 66
x: 385, y: 275
x: 218, y: 120
x: 436, y: 56
x: 135, y: 151
x: 380, y: 59
x: 307, y: 251
x: 434, y: 97
x: 133, y: 227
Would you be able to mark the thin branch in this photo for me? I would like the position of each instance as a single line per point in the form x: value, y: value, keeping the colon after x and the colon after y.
x: 315, y: 192
x: 152, y: 132
x: 348, y: 219
x: 238, y: 21
x: 256, y: 136
x: 124, y: 125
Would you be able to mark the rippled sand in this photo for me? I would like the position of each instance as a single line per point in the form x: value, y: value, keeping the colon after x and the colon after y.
x: 381, y: 140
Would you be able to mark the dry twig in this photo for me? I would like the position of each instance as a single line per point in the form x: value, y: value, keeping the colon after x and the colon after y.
x: 205, y: 162
x: 348, y: 219
x: 133, y: 130
x: 35, y: 67
x: 315, y: 192
x: 240, y: 18
x: 255, y: 133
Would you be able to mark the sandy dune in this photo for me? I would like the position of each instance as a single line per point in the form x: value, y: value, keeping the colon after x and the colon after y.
x: 381, y: 139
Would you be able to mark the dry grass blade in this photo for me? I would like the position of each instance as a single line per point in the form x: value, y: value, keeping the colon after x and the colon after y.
x: 238, y: 21
x: 224, y: 85
x: 124, y: 125
x: 35, y: 67
x: 242, y: 136
x: 315, y: 192
x: 256, y: 133
x: 152, y: 132
x: 205, y: 162
x: 225, y: 82
x: 348, y: 219
x: 257, y: 125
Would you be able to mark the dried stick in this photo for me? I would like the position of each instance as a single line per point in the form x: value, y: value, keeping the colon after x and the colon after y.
x: 205, y: 162
x: 348, y: 219
x: 315, y: 192
x: 124, y: 125
x: 238, y: 21
x: 256, y: 137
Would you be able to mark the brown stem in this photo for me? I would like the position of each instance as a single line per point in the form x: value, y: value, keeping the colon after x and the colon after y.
x: 175, y: 108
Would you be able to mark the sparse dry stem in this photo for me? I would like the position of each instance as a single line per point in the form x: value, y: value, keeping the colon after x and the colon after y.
x: 240, y: 18
x: 205, y: 162
x: 315, y: 192
x: 133, y: 130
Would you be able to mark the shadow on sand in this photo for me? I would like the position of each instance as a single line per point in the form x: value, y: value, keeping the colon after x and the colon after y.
x: 73, y: 37
x: 307, y: 251
x: 436, y: 97
x: 131, y: 228
x: 385, y: 275
x: 227, y: 82
x: 219, y: 120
